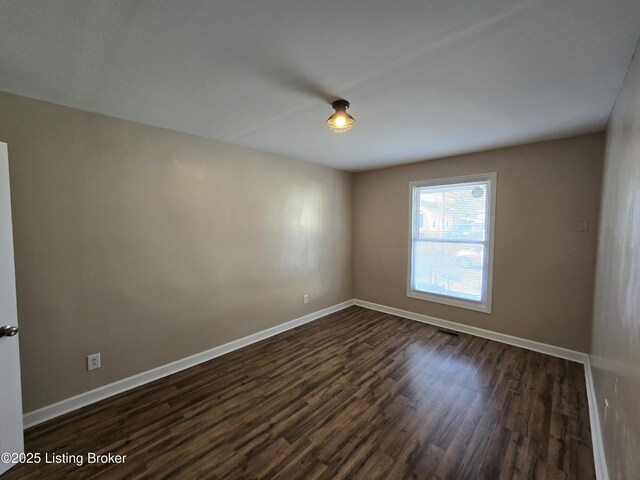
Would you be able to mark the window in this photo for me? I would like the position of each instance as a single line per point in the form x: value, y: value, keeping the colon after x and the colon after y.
x: 451, y: 250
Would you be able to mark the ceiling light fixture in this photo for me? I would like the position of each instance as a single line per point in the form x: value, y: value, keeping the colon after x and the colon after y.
x: 340, y: 121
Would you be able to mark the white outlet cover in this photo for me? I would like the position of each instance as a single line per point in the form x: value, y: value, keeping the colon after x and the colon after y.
x: 93, y: 361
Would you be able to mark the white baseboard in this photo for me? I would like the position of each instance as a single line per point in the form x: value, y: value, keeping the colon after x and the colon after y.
x: 580, y: 357
x: 565, y: 353
x: 594, y: 419
x: 73, y: 403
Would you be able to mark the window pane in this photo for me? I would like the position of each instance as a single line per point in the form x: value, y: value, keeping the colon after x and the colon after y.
x: 452, y: 212
x: 454, y: 269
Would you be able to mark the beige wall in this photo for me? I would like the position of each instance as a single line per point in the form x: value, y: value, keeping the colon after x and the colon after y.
x: 616, y: 325
x: 148, y: 245
x: 543, y: 271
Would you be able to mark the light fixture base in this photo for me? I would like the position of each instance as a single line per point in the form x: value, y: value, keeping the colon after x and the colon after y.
x: 340, y: 105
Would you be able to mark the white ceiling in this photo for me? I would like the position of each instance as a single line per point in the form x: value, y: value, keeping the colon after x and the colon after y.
x: 425, y: 78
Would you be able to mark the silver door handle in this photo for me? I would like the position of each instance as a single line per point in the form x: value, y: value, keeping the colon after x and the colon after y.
x: 8, y: 331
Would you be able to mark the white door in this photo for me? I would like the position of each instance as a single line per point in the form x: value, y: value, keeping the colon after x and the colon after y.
x: 11, y: 437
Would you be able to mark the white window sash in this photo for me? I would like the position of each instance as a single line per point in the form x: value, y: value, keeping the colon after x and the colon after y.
x: 488, y: 179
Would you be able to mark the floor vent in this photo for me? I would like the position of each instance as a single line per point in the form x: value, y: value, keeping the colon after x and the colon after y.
x: 448, y: 332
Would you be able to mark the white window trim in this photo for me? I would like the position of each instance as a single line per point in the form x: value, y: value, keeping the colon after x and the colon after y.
x: 482, y: 306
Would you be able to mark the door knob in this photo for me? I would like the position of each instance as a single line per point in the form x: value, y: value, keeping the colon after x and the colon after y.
x: 8, y: 331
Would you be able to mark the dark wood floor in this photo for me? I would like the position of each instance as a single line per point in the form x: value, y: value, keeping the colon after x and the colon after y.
x: 359, y: 394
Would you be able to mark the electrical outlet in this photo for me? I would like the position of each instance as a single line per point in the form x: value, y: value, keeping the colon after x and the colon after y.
x: 305, y: 299
x: 93, y: 361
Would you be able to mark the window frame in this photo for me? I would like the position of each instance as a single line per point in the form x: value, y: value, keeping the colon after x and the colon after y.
x: 485, y: 304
